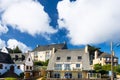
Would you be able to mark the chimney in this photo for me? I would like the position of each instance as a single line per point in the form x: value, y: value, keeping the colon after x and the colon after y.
x: 86, y: 49
x: 53, y: 51
x: 113, y: 53
x: 96, y: 54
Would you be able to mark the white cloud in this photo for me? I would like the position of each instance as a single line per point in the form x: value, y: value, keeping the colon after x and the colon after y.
x: 12, y: 43
x: 90, y: 21
x: 2, y: 43
x: 3, y: 29
x: 27, y: 16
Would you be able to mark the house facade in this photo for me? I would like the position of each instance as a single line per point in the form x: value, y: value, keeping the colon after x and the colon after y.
x: 16, y: 63
x: 73, y: 64
x: 104, y: 58
x: 43, y: 53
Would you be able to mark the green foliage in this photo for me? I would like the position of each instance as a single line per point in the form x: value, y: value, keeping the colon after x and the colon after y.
x: 41, y: 63
x: 92, y: 48
x: 17, y: 50
x: 106, y: 67
x: 118, y: 69
x: 10, y: 78
x: 21, y: 75
x: 100, y: 69
x: 97, y: 67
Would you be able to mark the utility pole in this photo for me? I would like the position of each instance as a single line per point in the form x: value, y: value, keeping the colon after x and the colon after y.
x: 112, y: 76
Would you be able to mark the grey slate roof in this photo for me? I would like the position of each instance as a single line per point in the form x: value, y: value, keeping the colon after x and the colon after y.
x: 5, y: 58
x: 74, y: 54
x: 19, y: 58
x: 50, y: 47
x: 105, y: 55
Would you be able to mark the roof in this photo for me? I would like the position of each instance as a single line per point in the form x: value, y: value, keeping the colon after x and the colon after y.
x: 5, y: 58
x: 8, y: 49
x: 105, y: 55
x: 50, y: 47
x: 19, y: 58
x: 63, y: 54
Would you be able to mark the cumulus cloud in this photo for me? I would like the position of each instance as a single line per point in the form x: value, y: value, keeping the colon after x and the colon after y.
x: 2, y: 43
x: 12, y: 43
x: 26, y: 15
x: 90, y: 21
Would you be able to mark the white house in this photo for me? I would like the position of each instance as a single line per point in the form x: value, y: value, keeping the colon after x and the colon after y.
x: 17, y: 63
x: 43, y: 53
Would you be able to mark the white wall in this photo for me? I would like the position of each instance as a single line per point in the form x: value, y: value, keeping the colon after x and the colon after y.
x: 18, y: 71
x: 2, y: 71
x: 29, y: 63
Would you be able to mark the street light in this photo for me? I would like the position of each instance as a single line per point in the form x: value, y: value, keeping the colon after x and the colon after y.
x: 112, y: 76
x: 117, y: 45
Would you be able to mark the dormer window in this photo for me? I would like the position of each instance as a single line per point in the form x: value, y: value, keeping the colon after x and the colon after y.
x: 79, y: 57
x: 68, y: 58
x: 23, y: 57
x: 16, y: 57
x: 58, y: 58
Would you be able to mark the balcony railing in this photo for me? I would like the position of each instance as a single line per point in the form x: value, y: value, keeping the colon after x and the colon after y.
x: 67, y: 68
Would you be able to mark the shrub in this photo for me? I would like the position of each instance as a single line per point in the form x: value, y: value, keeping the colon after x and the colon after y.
x: 10, y: 78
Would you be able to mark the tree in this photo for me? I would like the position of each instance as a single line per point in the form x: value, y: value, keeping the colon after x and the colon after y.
x: 17, y: 50
x: 118, y: 69
x: 99, y: 69
x: 41, y: 63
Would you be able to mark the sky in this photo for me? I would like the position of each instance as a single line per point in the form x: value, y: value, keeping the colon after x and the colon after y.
x: 27, y: 23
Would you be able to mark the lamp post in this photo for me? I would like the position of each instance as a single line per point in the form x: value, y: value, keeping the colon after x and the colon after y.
x: 112, y: 76
x: 112, y: 58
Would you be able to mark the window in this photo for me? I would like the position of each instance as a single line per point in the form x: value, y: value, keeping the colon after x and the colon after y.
x: 79, y: 75
x: 1, y: 66
x: 16, y: 57
x: 18, y: 67
x: 27, y: 67
x: 29, y: 59
x: 68, y: 75
x: 77, y: 65
x: 58, y: 58
x: 30, y: 67
x: 79, y: 57
x: 58, y: 66
x: 68, y: 58
x: 5, y: 67
x: 57, y: 75
x: 23, y: 57
x: 67, y: 66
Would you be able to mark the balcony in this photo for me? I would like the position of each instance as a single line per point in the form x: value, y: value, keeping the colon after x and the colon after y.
x: 58, y: 68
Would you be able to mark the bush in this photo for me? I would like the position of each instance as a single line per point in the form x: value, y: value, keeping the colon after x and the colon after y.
x: 9, y: 78
x: 21, y: 75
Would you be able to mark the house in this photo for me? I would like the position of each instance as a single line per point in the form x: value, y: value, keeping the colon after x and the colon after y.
x: 22, y: 63
x: 16, y: 63
x: 43, y: 53
x: 73, y: 64
x: 5, y: 62
x: 104, y: 58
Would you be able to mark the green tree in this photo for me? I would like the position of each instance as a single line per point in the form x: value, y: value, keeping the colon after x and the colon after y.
x: 99, y: 69
x: 41, y: 63
x: 117, y: 69
x: 17, y: 50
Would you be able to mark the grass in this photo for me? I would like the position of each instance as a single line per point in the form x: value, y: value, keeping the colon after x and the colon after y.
x: 10, y: 78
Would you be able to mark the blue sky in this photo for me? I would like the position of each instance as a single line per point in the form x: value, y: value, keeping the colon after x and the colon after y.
x: 27, y: 23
